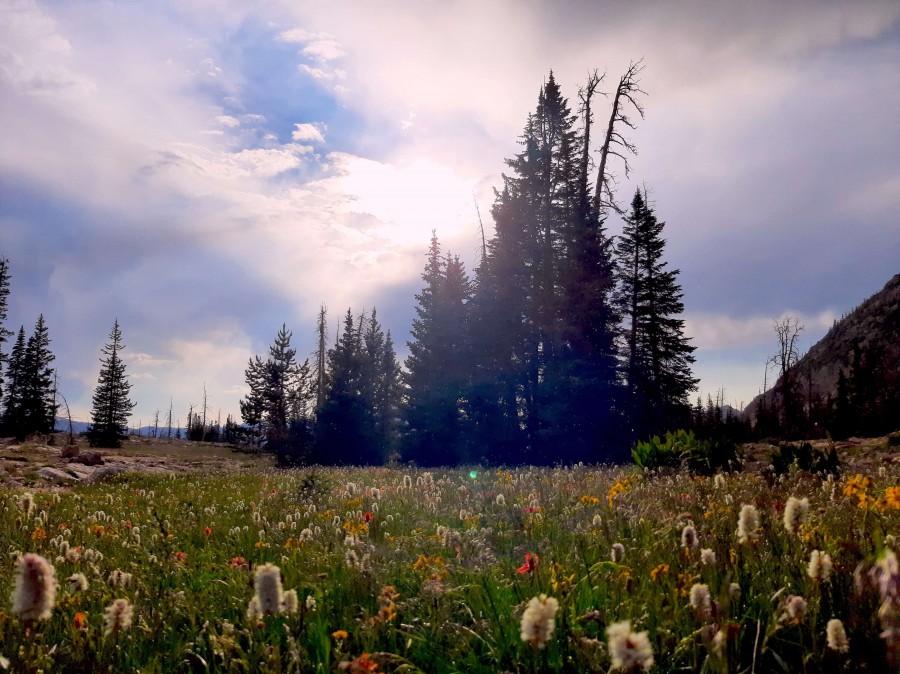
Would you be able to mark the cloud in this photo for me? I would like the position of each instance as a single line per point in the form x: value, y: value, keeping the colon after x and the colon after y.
x: 306, y: 133
x: 715, y: 331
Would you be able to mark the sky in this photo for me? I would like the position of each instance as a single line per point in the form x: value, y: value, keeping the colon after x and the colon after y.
x: 204, y: 171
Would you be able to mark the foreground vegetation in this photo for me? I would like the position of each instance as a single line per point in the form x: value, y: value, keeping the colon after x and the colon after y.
x: 404, y: 571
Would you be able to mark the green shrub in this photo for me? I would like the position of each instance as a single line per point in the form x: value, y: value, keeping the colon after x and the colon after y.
x: 683, y: 447
x: 805, y: 457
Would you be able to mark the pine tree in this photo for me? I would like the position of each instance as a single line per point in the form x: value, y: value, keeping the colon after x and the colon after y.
x: 344, y: 433
x: 38, y: 396
x: 13, y: 405
x: 657, y: 355
x: 438, y: 366
x: 111, y: 404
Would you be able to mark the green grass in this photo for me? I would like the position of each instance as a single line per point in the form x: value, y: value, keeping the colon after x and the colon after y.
x: 450, y: 550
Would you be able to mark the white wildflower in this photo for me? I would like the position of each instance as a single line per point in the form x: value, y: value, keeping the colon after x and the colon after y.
x: 539, y: 620
x: 837, y: 636
x: 629, y: 650
x: 795, y: 513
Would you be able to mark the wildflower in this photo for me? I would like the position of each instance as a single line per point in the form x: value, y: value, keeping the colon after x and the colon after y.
x: 339, y: 635
x: 79, y: 622
x: 748, y: 523
x: 892, y: 497
x: 290, y: 603
x: 310, y: 603
x: 118, y: 616
x: 629, y: 650
x: 837, y: 636
x: 689, y: 537
x: 618, y: 552
x: 719, y: 481
x: 207, y: 531
x: 530, y: 563
x: 795, y: 513
x: 794, y: 609
x: 700, y: 600
x: 500, y: 501
x: 239, y: 563
x: 597, y: 522
x: 659, y: 569
x: 734, y: 592
x: 35, y: 590
x: 433, y: 587
x: 267, y: 589
x: 118, y: 578
x: 407, y: 482
x: 707, y: 557
x: 819, y: 565
x: 360, y: 665
x: 539, y: 620
x: 368, y: 517
x: 180, y: 557
x: 78, y: 582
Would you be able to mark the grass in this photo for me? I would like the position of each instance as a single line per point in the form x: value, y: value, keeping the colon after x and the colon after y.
x: 421, y: 570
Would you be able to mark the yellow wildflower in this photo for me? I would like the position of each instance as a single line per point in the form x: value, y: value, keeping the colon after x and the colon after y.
x: 892, y: 497
x: 659, y: 569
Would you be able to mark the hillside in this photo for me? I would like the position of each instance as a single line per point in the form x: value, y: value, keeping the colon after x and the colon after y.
x: 871, y: 329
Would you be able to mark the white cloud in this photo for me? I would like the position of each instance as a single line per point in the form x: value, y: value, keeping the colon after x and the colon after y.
x: 324, y: 50
x: 716, y: 331
x: 306, y: 133
x: 227, y: 121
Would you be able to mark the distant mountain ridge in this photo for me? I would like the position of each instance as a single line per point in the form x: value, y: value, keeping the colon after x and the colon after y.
x: 873, y: 327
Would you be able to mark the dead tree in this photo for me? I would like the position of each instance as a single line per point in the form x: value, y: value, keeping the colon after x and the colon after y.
x: 169, y: 422
x: 788, y: 332
x: 615, y: 144
x: 586, y: 93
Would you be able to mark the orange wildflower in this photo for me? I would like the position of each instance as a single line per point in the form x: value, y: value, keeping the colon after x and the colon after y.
x: 80, y: 621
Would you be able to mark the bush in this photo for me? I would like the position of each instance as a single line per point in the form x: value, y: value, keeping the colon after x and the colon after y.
x: 683, y: 447
x: 805, y: 457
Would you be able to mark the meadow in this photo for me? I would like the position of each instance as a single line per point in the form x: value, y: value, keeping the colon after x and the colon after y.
x: 582, y: 569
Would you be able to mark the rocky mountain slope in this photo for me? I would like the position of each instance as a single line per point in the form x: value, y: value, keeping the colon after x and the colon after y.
x: 872, y: 328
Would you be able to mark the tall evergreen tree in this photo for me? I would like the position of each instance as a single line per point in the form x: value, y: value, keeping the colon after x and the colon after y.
x: 344, y: 433
x: 657, y: 355
x: 437, y: 368
x: 14, y: 418
x: 38, y: 395
x: 111, y: 403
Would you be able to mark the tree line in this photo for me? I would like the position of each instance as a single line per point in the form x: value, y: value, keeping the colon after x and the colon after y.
x: 28, y: 382
x: 565, y: 345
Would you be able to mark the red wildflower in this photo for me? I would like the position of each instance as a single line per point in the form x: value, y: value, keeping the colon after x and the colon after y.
x: 368, y: 517
x: 207, y: 531
x: 530, y: 563
x: 239, y: 563
x: 180, y: 556
x: 533, y: 509
x: 80, y: 621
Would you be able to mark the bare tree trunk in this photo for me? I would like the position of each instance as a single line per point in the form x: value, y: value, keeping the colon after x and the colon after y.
x: 169, y: 422
x: 614, y: 143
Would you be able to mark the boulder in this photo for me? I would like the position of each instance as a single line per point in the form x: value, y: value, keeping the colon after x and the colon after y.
x: 55, y: 475
x: 69, y: 451
x: 104, y: 473
x: 89, y: 459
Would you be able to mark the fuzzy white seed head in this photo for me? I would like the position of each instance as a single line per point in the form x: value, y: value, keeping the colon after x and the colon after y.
x: 629, y: 650
x: 837, y: 636
x: 689, y: 537
x: 748, y: 523
x: 795, y: 513
x: 290, y: 603
x: 819, y: 566
x: 267, y: 587
x: 118, y: 616
x: 539, y: 620
x: 35, y: 591
x: 707, y: 557
x: 700, y: 600
x: 618, y: 552
x: 78, y: 582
